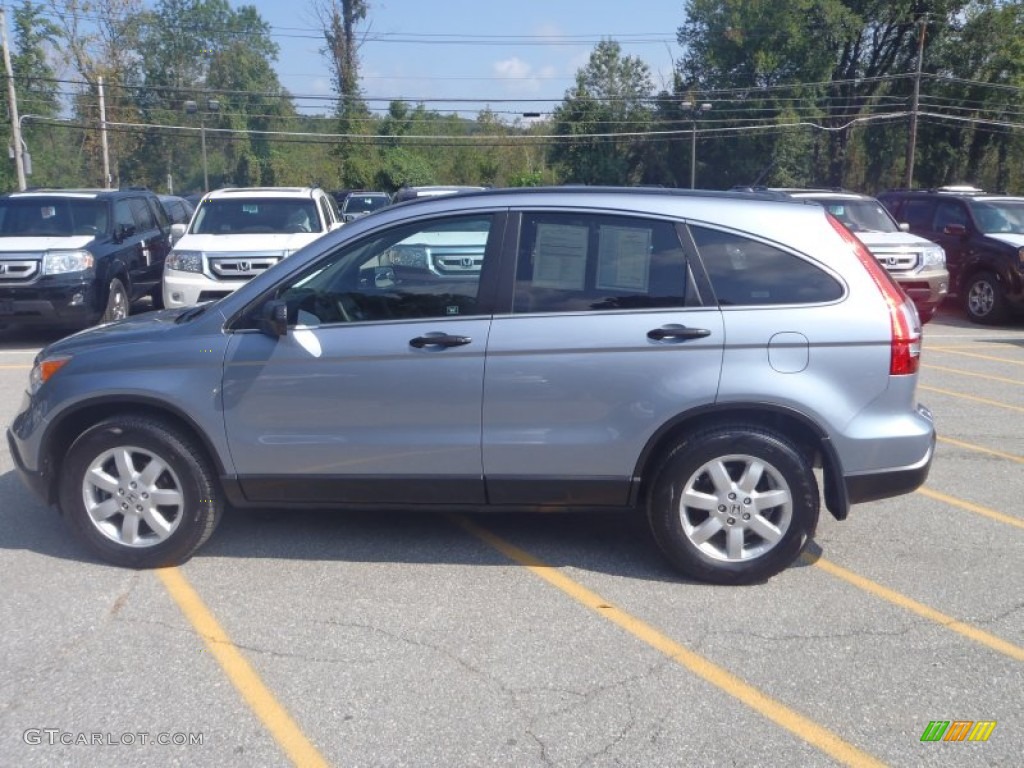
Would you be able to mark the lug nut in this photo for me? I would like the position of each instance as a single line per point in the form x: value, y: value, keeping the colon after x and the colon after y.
x: 731, y: 521
x: 721, y: 507
x: 133, y: 486
x: 732, y: 497
x: 746, y: 515
x: 746, y: 501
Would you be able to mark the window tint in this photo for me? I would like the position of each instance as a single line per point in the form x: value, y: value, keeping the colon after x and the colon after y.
x: 747, y: 272
x: 583, y: 262
x: 123, y: 215
x: 144, y: 220
x: 949, y: 212
x: 431, y: 269
x: 918, y: 213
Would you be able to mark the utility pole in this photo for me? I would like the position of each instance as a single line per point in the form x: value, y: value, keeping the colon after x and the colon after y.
x: 19, y: 160
x: 103, y: 136
x: 908, y: 181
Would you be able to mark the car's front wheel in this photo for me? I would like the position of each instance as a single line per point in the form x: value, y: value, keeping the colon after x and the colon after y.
x: 984, y: 299
x: 139, y: 492
x: 118, y: 305
x: 733, y: 505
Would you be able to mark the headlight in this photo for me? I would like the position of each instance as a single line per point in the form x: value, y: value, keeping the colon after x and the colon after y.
x: 406, y: 256
x: 43, y: 370
x: 933, y: 257
x: 62, y: 262
x: 185, y: 261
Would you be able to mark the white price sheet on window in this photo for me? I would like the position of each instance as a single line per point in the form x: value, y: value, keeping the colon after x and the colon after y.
x: 560, y: 259
x: 623, y: 258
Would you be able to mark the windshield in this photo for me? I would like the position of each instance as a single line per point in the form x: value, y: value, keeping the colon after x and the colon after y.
x: 256, y: 215
x: 365, y: 203
x: 999, y: 216
x: 861, y: 215
x: 52, y: 217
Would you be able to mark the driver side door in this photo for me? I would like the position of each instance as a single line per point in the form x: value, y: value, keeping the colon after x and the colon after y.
x: 374, y: 395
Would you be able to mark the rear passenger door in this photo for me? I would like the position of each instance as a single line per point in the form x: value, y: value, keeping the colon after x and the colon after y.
x: 604, y: 342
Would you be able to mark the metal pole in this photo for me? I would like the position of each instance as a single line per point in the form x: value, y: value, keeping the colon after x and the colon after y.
x: 19, y: 160
x: 202, y: 137
x: 103, y: 136
x: 908, y: 181
x: 693, y: 153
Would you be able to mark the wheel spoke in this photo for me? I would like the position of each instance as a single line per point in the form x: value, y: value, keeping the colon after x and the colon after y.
x: 734, y: 543
x: 719, y: 476
x: 104, y: 510
x: 770, y: 500
x: 765, y: 529
x: 160, y: 525
x: 698, y: 500
x: 100, y: 479
x: 751, y: 476
x: 166, y: 497
x: 125, y: 467
x: 705, y: 530
x: 130, y: 527
x: 153, y: 470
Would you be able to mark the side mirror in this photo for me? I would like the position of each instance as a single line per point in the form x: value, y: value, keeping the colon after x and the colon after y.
x: 274, y: 322
x: 178, y: 231
x: 904, y: 227
x: 123, y: 232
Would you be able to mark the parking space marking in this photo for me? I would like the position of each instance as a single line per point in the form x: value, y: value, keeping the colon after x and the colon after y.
x: 261, y: 701
x: 953, y: 351
x: 981, y: 449
x: 799, y: 725
x: 974, y: 398
x: 958, y: 372
x: 970, y: 507
x: 22, y: 367
x: 920, y: 609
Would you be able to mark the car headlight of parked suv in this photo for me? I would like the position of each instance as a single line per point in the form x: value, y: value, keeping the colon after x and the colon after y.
x: 933, y: 257
x: 185, y: 261
x: 64, y: 262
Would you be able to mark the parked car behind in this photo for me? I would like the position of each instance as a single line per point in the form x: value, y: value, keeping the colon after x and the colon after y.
x: 70, y: 258
x: 178, y: 209
x: 983, y: 236
x: 358, y: 204
x: 416, y: 193
x: 688, y: 356
x: 239, y: 232
x: 917, y: 264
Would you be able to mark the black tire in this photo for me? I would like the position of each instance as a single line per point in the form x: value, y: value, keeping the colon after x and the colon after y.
x: 110, y: 469
x: 118, y: 304
x: 697, y: 541
x: 985, y: 299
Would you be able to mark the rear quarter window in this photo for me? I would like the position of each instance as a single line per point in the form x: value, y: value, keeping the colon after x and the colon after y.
x: 747, y: 272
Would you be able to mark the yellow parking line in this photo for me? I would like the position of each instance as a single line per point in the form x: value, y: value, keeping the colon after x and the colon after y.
x: 922, y: 610
x: 16, y: 367
x: 981, y: 449
x: 964, y: 396
x: 952, y: 351
x: 259, y: 698
x: 958, y: 372
x: 797, y: 724
x: 976, y: 508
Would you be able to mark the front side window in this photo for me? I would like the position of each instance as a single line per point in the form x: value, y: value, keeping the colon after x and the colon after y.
x: 144, y: 220
x: 746, y: 272
x: 949, y: 212
x: 424, y: 270
x: 584, y: 262
x: 256, y: 215
x: 52, y: 217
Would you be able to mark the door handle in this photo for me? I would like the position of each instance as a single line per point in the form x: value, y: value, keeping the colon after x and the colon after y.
x: 439, y: 340
x: 677, y: 332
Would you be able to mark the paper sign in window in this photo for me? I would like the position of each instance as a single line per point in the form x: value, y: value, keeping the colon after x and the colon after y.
x: 560, y: 259
x: 623, y: 258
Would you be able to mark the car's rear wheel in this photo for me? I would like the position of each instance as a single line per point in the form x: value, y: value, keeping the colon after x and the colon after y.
x: 733, y: 505
x: 984, y: 299
x: 139, y: 492
x: 117, y: 302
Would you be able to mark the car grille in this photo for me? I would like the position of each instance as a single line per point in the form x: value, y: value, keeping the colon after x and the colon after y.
x: 18, y: 270
x: 241, y: 266
x: 897, y: 261
x: 455, y: 260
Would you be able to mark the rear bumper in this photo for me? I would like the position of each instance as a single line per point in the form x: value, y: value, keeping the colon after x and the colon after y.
x: 872, y: 486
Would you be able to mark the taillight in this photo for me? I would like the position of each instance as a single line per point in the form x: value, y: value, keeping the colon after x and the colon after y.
x: 904, y: 324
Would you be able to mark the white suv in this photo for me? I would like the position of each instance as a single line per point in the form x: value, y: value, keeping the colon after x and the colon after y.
x: 238, y: 233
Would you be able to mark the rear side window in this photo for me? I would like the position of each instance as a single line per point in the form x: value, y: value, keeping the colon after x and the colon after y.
x: 584, y: 262
x: 747, y: 272
x: 918, y: 213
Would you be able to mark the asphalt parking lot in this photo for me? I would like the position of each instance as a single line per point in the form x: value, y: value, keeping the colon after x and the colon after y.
x: 401, y: 639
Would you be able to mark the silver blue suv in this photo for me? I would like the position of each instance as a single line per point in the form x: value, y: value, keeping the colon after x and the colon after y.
x: 690, y: 356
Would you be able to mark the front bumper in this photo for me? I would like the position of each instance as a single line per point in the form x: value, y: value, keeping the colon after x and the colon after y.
x: 926, y: 289
x: 50, y: 301
x: 186, y: 289
x: 39, y: 482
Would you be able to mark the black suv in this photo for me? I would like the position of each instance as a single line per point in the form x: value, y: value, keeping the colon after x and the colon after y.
x: 70, y: 258
x: 983, y: 236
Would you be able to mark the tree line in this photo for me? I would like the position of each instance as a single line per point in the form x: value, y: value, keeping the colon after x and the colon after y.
x: 787, y: 93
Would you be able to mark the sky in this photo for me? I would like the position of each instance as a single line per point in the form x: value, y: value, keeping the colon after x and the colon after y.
x: 517, y: 57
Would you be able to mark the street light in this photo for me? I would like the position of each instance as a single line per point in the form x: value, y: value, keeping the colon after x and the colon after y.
x: 696, y: 110
x: 192, y: 108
